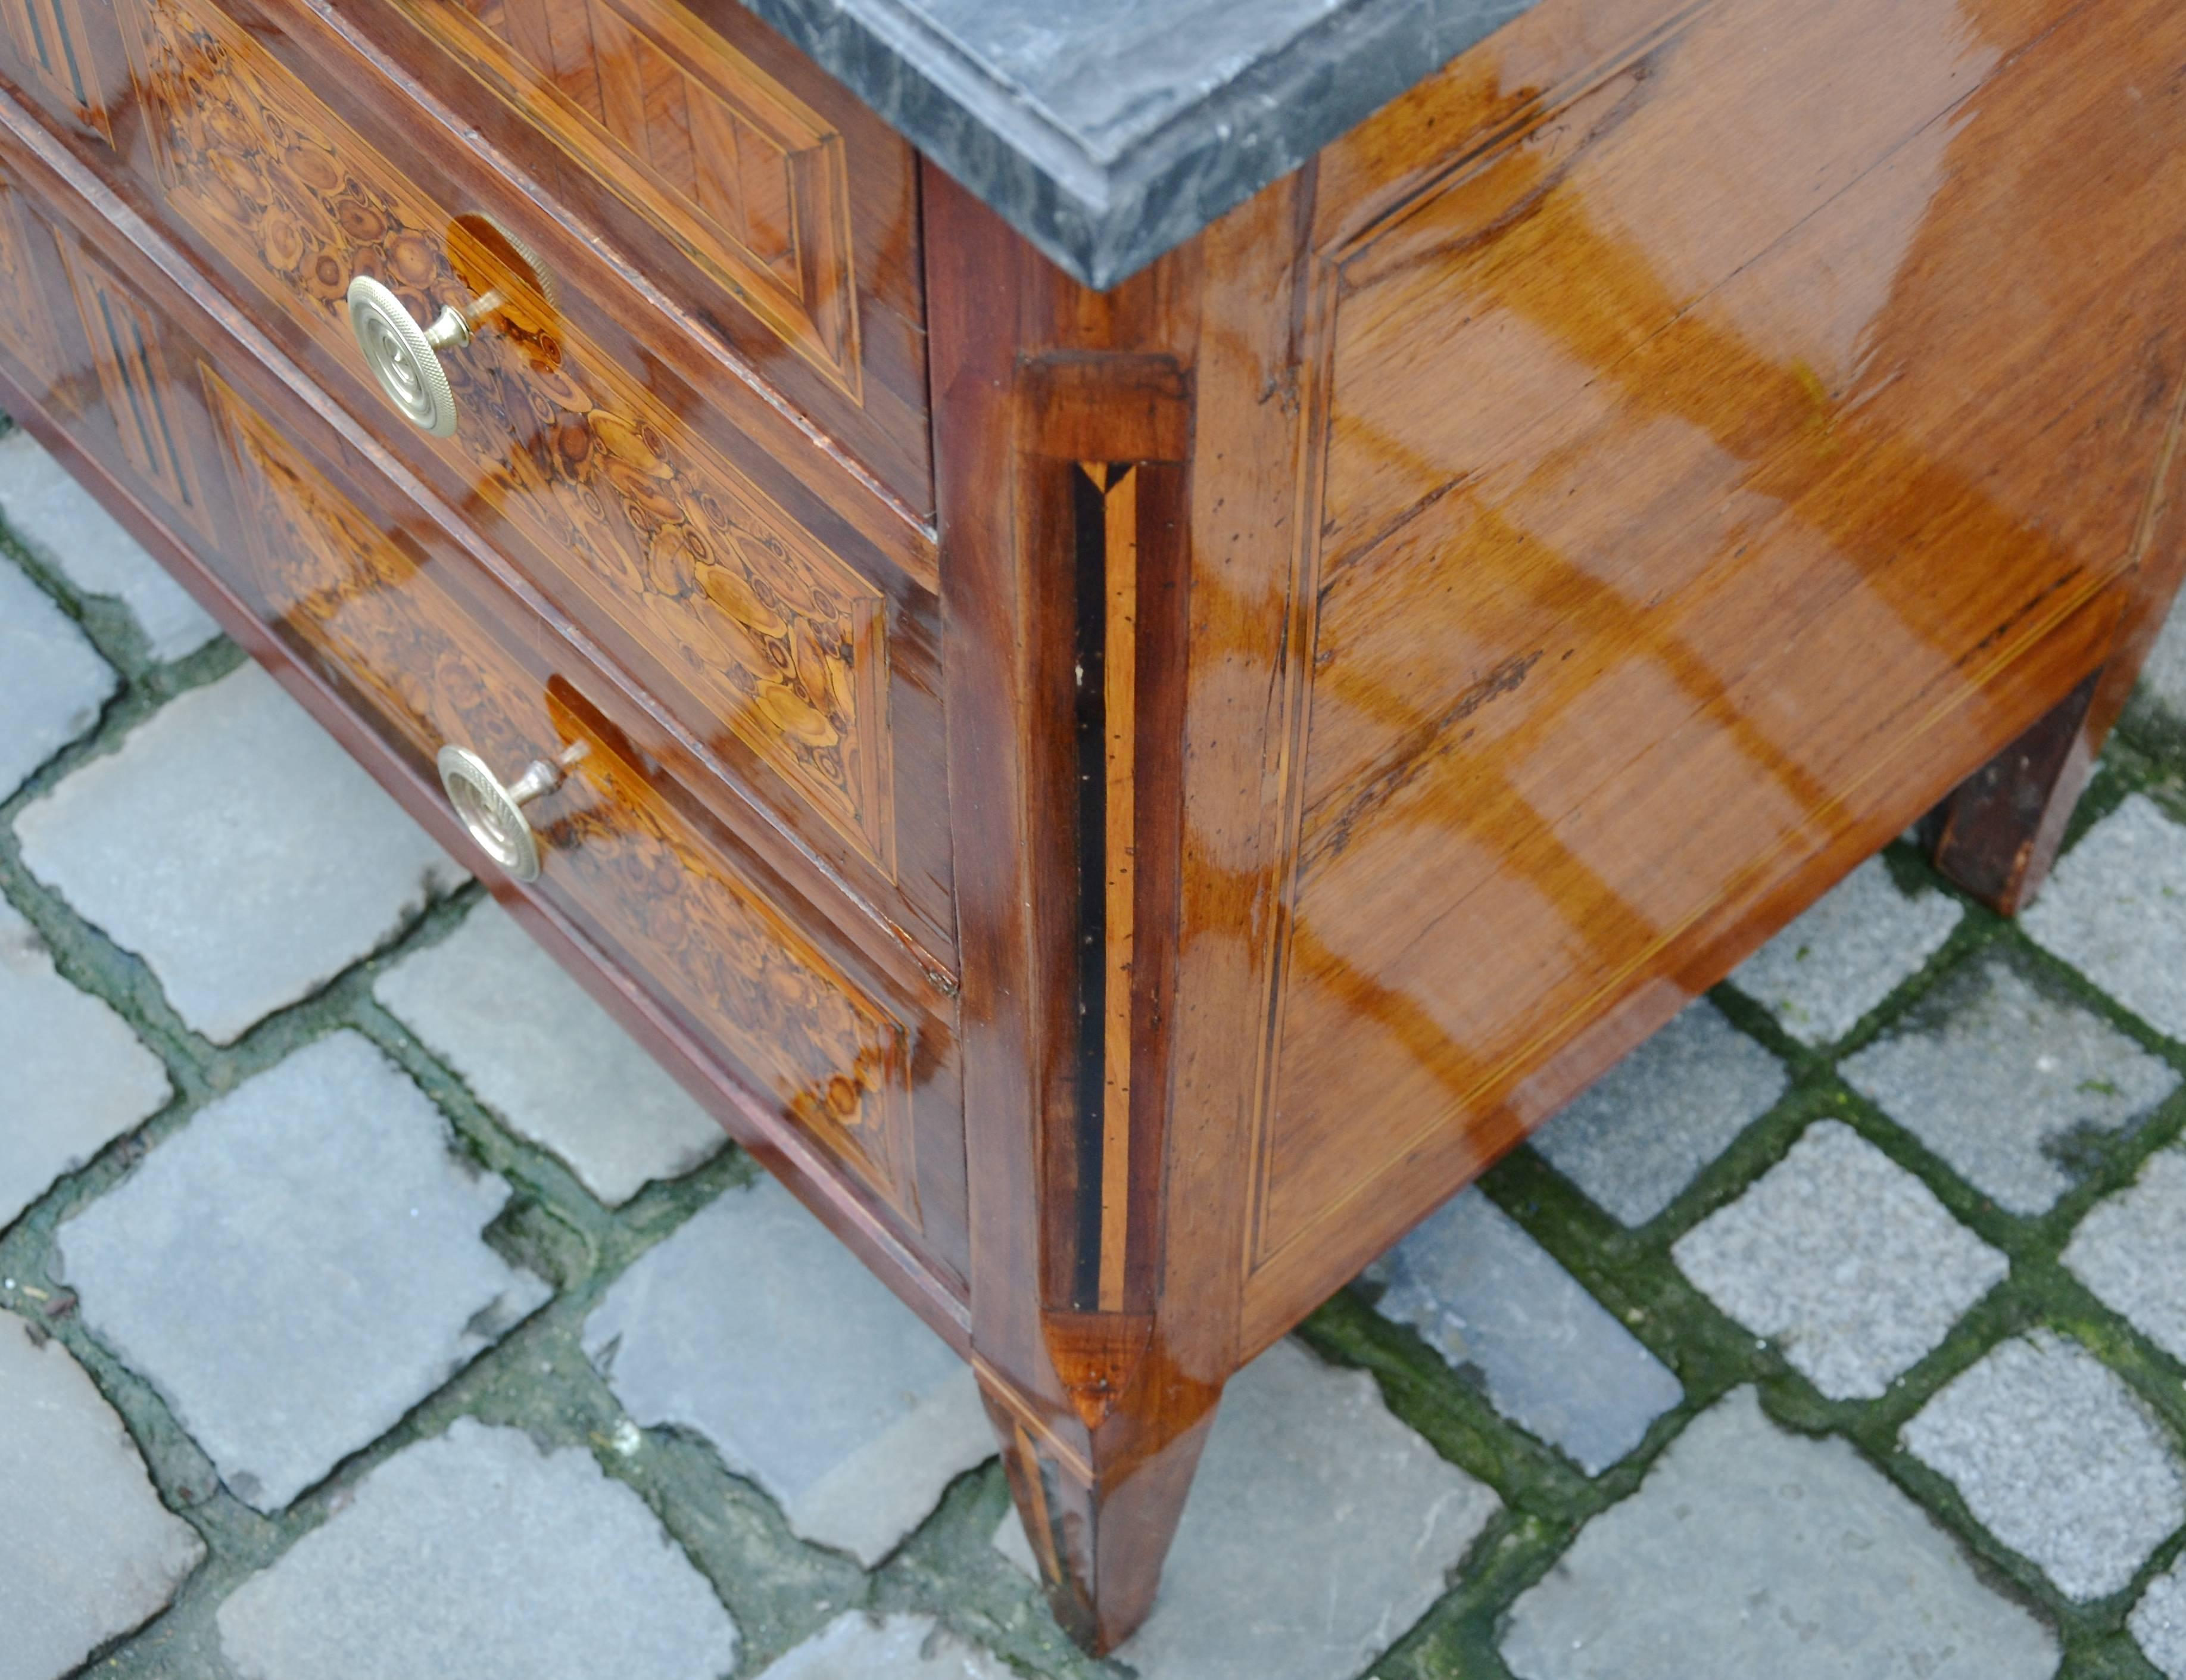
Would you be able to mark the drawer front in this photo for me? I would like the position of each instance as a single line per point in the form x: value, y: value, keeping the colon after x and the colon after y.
x: 367, y: 586
x: 776, y: 212
x: 795, y: 658
x: 769, y: 198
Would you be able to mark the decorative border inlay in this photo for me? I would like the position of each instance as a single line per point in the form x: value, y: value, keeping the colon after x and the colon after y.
x: 779, y: 641
x: 124, y: 339
x: 26, y: 325
x: 748, y: 181
x: 53, y: 43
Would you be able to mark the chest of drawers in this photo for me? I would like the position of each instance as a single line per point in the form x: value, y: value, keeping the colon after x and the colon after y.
x: 1134, y: 675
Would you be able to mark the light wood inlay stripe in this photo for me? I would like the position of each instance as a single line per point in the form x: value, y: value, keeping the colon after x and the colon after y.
x: 1119, y: 666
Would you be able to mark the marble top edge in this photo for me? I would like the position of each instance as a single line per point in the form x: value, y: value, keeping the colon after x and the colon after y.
x: 1111, y: 130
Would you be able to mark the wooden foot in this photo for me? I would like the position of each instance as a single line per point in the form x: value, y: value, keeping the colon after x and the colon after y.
x: 1996, y: 833
x: 1100, y: 1524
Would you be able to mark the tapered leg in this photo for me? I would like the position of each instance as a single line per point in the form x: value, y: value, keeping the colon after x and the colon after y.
x: 1996, y: 833
x: 1100, y: 1522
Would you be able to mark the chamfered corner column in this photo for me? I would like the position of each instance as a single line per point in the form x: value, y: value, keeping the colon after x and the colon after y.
x: 1116, y: 478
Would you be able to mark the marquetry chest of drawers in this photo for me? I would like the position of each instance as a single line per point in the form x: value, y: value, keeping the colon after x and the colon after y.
x: 1134, y: 639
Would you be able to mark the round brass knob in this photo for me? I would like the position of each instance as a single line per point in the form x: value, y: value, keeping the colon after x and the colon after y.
x: 493, y: 811
x: 404, y: 357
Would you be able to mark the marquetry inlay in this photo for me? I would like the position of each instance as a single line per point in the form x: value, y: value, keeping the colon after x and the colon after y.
x: 132, y: 371
x: 777, y: 640
x: 27, y: 326
x: 747, y: 180
x: 330, y: 578
x: 54, y: 46
x: 1117, y: 633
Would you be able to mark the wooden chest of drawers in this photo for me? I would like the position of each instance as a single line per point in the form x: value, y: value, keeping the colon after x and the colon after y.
x: 1127, y: 795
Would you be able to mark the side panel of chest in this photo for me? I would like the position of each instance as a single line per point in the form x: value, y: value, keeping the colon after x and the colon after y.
x: 1717, y: 464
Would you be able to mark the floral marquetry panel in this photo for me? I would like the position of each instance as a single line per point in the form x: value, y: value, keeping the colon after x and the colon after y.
x: 368, y: 613
x: 775, y: 640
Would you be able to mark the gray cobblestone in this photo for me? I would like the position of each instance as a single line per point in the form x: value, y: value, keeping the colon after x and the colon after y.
x: 86, y: 1549
x: 69, y: 531
x: 755, y: 1326
x: 1644, y: 1132
x: 1319, y: 1528
x: 1751, y: 1552
x: 2131, y: 1250
x: 2001, y: 1080
x: 558, y: 1069
x: 1494, y: 1303
x: 2115, y: 909
x: 237, y: 849
x: 53, y: 682
x: 2158, y: 1621
x: 72, y: 1076
x: 857, y: 1646
x: 1845, y: 1257
x: 2053, y: 1454
x: 2163, y: 678
x: 298, y: 1266
x: 477, y: 1557
x: 1825, y: 971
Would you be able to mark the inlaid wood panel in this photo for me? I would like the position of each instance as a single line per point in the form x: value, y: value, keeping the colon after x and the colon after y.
x: 26, y: 325
x: 778, y: 213
x: 746, y: 178
x: 765, y: 633
x: 1762, y: 431
x: 332, y: 579
x: 125, y: 353
x: 51, y: 42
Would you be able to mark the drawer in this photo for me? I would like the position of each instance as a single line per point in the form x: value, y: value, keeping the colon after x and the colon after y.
x: 790, y: 650
x: 370, y: 585
x: 772, y: 219
x: 762, y: 195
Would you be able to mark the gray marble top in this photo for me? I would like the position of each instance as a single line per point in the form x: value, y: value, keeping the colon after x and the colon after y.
x: 1108, y: 131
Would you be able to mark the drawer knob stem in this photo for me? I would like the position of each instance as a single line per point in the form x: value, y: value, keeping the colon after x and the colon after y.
x: 405, y: 357
x: 493, y: 811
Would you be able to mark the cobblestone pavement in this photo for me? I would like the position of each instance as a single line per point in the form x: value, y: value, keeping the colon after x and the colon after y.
x: 348, y: 1329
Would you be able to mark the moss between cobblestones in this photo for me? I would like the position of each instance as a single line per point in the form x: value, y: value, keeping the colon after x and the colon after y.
x: 780, y: 1589
x: 1632, y: 1274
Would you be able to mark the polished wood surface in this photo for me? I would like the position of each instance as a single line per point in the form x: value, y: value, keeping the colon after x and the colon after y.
x: 1363, y: 673
x: 778, y: 208
x: 793, y: 657
x: 429, y: 650
x: 1713, y: 526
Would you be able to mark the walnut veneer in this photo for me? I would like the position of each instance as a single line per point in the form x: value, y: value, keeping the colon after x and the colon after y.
x: 1126, y: 800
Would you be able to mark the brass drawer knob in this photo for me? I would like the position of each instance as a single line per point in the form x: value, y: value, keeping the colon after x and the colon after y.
x: 405, y: 357
x: 493, y: 811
